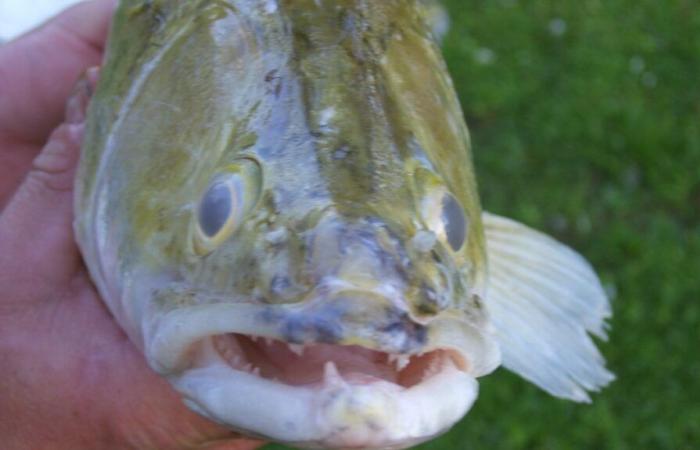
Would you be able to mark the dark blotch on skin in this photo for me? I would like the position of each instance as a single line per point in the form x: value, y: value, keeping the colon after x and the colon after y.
x: 215, y: 209
x: 320, y: 325
x: 415, y: 334
x: 332, y: 323
x: 279, y: 284
x: 349, y: 238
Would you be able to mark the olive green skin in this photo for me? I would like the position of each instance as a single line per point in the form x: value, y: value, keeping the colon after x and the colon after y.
x: 189, y: 88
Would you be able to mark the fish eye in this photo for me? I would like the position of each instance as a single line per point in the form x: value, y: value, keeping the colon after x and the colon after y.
x: 216, y: 206
x: 224, y: 205
x: 454, y: 221
x: 441, y: 211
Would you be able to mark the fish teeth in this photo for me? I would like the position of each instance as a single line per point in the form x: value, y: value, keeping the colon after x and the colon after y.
x: 227, y: 352
x: 331, y: 376
x: 256, y: 371
x: 297, y: 349
x: 402, y: 362
x: 399, y: 361
x: 269, y: 341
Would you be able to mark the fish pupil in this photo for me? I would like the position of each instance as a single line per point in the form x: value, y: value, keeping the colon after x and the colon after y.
x: 455, y: 221
x: 215, y: 209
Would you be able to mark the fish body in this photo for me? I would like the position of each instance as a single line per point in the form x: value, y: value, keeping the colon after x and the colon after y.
x: 277, y: 202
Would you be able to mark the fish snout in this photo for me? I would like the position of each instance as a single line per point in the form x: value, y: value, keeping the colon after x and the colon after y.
x: 369, y: 255
x: 353, y: 317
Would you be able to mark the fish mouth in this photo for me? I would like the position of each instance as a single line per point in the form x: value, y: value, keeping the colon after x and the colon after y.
x: 313, y: 364
x: 319, y: 395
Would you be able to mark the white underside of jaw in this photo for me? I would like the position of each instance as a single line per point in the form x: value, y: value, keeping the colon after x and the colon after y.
x: 337, y: 412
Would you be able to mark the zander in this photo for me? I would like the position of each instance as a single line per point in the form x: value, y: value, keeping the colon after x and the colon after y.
x: 276, y: 201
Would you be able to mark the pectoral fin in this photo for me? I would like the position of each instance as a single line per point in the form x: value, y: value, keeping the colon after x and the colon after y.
x: 544, y: 299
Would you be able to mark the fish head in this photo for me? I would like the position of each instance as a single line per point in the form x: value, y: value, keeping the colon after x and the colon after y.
x: 318, y: 319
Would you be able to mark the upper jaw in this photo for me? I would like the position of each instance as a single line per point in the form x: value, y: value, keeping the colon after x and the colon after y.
x: 169, y: 337
x: 339, y: 410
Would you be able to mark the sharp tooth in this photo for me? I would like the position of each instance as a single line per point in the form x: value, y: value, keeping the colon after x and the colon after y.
x: 269, y: 341
x: 248, y: 367
x: 256, y: 371
x: 254, y: 339
x: 402, y: 362
x: 297, y: 349
x: 399, y: 361
x: 331, y: 375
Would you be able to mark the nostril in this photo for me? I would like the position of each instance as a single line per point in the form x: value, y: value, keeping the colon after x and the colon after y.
x: 431, y: 295
x: 431, y: 299
x: 414, y: 335
x: 284, y: 288
x: 429, y: 302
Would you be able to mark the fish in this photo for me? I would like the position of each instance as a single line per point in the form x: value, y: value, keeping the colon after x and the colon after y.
x: 276, y: 201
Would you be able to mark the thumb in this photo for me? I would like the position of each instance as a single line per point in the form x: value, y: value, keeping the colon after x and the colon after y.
x: 36, y: 233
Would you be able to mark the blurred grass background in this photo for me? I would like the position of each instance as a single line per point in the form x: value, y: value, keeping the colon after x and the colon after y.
x: 585, y: 120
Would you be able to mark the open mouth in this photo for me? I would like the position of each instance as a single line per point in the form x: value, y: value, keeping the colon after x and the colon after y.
x: 312, y: 364
x: 230, y: 365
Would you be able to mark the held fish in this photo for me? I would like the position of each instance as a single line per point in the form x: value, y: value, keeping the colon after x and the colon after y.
x: 276, y: 200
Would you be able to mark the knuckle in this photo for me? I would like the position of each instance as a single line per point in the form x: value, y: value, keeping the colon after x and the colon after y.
x: 38, y: 182
x: 55, y: 166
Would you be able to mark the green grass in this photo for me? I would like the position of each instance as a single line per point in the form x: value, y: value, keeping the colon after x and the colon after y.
x: 585, y: 119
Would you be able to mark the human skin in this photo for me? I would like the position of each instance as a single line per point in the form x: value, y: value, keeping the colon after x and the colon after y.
x: 69, y: 377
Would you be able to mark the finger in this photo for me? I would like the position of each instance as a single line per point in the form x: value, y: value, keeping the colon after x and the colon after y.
x: 77, y: 104
x: 238, y: 444
x: 38, y: 70
x: 15, y: 160
x: 36, y: 234
x: 16, y: 157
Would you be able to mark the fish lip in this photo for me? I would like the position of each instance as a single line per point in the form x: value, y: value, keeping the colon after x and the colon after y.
x: 169, y: 339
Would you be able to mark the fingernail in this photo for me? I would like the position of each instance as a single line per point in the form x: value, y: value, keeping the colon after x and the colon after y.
x: 76, y: 106
x: 92, y: 75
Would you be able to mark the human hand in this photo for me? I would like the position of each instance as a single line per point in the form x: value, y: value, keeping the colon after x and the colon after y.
x: 69, y: 377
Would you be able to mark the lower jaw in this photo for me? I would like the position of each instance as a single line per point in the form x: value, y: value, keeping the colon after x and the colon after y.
x: 338, y: 411
x: 346, y: 413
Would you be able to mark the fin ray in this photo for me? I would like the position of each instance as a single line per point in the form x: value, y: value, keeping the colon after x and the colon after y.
x: 544, y: 299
